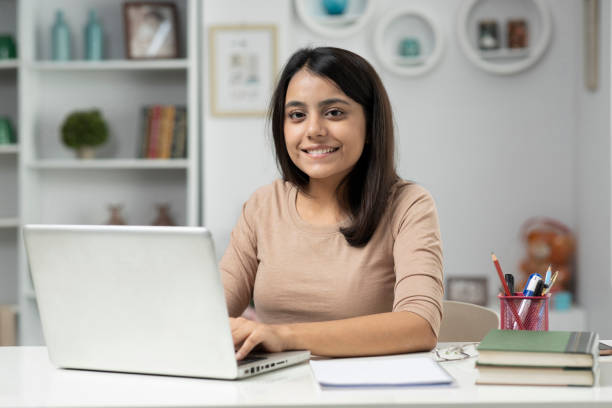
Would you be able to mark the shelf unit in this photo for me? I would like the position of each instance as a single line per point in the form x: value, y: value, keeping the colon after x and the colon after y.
x: 57, y: 188
x: 9, y: 159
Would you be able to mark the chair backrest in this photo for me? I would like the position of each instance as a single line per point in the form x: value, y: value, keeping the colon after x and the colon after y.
x: 466, y: 322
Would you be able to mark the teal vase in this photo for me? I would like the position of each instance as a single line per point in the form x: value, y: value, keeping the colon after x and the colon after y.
x: 94, y: 38
x: 60, y: 38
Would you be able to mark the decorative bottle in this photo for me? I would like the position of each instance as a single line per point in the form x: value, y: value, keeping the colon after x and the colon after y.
x: 60, y: 38
x: 94, y: 38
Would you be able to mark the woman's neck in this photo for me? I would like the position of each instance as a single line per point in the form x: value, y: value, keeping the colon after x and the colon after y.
x: 319, y: 204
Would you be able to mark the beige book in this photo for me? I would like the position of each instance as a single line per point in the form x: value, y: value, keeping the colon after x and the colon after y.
x: 8, y: 325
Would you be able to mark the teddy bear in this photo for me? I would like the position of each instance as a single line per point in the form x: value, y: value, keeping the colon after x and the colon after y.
x: 548, y: 242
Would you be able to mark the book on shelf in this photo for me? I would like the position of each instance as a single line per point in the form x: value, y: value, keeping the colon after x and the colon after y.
x: 8, y: 325
x: 163, y: 132
x: 538, y: 358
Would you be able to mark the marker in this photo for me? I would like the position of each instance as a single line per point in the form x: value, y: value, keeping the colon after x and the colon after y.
x: 529, y: 290
x: 510, y: 281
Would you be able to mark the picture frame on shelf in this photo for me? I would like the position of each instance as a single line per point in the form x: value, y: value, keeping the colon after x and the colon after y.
x: 151, y: 30
x: 469, y: 289
x: 243, y: 65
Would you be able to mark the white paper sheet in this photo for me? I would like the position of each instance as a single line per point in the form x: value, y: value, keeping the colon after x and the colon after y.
x: 379, y: 371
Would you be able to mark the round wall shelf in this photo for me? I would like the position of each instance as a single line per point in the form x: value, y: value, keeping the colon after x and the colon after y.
x: 314, y: 15
x: 408, y: 41
x: 501, y: 52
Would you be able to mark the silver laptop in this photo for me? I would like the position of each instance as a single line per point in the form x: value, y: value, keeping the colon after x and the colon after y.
x: 137, y: 299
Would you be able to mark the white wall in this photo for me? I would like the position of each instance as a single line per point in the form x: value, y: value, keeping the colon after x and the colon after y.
x: 493, y: 150
x: 593, y: 189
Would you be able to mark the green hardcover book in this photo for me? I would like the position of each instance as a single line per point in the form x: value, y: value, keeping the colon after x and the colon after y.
x: 539, y: 348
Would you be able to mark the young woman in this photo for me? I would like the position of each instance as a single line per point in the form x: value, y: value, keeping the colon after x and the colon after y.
x: 341, y: 256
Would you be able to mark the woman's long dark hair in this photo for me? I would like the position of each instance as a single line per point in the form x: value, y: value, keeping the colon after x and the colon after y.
x: 367, y: 187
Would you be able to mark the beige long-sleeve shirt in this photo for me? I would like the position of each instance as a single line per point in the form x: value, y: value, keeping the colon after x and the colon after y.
x: 298, y: 272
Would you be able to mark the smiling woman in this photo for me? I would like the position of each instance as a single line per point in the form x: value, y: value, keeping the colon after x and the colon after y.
x: 341, y: 256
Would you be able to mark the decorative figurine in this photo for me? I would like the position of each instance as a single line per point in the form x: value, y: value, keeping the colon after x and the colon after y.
x: 163, y: 216
x: 115, y: 218
x: 488, y: 35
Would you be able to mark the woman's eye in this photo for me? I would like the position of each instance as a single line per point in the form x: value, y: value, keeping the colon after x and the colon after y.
x: 296, y: 115
x: 335, y: 113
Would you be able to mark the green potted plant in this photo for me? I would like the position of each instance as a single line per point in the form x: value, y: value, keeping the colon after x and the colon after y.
x: 84, y: 130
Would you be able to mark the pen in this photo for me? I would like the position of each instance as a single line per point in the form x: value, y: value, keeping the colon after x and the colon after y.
x: 510, y: 281
x: 547, y: 279
x: 552, y: 282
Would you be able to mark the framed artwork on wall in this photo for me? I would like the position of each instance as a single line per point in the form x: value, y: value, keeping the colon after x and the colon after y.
x: 243, y: 61
x: 151, y: 30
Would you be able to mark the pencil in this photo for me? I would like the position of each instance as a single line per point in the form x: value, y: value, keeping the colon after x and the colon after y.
x: 501, y: 274
x: 507, y: 290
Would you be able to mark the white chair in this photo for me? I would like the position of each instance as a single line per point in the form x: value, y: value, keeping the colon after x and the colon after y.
x: 466, y: 322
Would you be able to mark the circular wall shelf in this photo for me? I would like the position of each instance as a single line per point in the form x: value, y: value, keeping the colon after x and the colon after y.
x: 315, y: 17
x: 504, y: 61
x: 412, y: 25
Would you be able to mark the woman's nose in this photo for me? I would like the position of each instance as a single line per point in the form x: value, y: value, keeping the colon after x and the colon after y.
x: 316, y: 127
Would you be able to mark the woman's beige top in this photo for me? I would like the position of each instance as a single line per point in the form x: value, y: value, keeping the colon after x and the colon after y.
x: 298, y: 272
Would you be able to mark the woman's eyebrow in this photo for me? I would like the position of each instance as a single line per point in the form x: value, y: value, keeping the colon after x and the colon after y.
x: 325, y: 102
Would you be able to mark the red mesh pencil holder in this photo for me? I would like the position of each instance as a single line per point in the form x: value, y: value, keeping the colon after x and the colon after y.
x: 520, y: 312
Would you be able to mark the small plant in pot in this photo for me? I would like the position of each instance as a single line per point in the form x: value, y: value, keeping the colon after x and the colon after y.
x: 83, y: 131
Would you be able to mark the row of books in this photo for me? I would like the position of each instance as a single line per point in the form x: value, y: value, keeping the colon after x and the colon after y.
x: 164, y: 132
x: 524, y: 357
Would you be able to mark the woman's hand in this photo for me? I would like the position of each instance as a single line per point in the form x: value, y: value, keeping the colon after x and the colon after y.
x: 247, y: 334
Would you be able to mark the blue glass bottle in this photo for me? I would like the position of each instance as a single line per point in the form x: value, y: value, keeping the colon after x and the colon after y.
x: 94, y: 38
x: 60, y: 38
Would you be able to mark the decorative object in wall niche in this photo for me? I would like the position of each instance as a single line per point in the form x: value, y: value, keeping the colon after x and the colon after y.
x: 151, y: 30
x: 517, y: 34
x: 335, y: 18
x: 408, y: 41
x: 243, y: 63
x: 115, y: 215
x: 527, y: 33
x: 163, y: 216
x: 335, y: 7
x: 469, y: 289
x: 61, y: 44
x: 84, y: 130
x: 488, y: 35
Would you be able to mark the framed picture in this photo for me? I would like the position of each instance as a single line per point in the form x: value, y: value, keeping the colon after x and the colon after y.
x: 468, y: 289
x: 151, y: 30
x: 243, y: 61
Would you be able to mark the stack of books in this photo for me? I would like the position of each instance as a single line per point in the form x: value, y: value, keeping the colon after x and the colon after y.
x: 164, y: 132
x: 522, y: 357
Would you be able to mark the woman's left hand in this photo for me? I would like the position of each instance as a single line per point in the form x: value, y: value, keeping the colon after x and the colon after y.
x: 247, y: 334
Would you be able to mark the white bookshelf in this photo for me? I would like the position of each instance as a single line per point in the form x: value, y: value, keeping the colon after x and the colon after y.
x: 9, y: 159
x: 57, y: 188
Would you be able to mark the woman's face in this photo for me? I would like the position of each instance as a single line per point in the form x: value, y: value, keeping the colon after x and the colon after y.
x: 324, y: 128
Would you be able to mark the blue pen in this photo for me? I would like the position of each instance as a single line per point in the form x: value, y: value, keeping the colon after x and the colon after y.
x: 548, y: 273
x: 529, y: 290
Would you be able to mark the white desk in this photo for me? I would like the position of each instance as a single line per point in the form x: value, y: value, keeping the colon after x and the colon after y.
x: 27, y: 379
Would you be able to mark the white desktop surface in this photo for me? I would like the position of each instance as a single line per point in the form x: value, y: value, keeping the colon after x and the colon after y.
x: 28, y: 379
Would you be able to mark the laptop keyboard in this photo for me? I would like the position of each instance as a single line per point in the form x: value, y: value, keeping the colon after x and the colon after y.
x: 249, y: 359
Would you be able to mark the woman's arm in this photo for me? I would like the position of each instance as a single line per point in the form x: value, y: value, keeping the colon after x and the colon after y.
x: 384, y: 333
